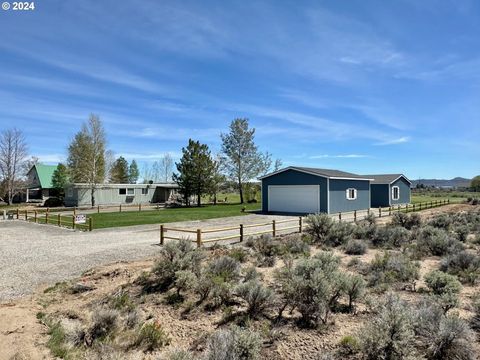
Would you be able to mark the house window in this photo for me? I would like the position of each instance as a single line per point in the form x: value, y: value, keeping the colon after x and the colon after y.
x: 144, y: 191
x: 351, y: 194
x: 130, y: 191
x: 395, y: 193
x: 122, y: 191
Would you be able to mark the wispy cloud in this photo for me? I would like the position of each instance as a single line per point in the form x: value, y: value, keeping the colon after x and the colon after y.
x: 346, y: 156
x: 400, y: 140
x: 50, y: 158
x: 146, y: 157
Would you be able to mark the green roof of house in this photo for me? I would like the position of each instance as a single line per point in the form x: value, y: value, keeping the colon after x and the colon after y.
x: 44, y: 173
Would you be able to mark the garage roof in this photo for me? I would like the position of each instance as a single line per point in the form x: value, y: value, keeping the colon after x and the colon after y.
x: 386, y: 178
x: 326, y: 173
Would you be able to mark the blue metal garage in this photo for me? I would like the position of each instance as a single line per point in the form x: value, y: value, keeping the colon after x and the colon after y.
x: 304, y: 190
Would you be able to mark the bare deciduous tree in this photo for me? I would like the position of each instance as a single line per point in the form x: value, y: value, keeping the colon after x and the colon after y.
x: 166, y: 166
x: 159, y: 171
x: 13, y: 152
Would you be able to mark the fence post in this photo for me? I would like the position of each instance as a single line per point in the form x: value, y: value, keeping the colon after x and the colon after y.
x: 120, y: 207
x: 368, y: 211
x: 26, y: 215
x: 59, y: 220
x: 98, y: 209
x: 398, y: 208
x: 35, y: 216
x: 389, y: 211
x: 74, y: 210
x: 73, y: 222
x: 407, y: 208
x: 46, y: 218
x: 448, y: 201
x: 139, y: 207
x: 241, y: 232
x: 379, y: 212
x: 340, y: 216
x: 274, y: 230
x: 199, y: 238
x: 413, y: 207
x: 300, y: 224
x: 355, y: 215
x: 18, y: 213
x: 161, y: 235
x: 90, y: 224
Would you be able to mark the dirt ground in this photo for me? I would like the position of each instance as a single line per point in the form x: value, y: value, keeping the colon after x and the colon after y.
x: 35, y: 254
x: 23, y: 337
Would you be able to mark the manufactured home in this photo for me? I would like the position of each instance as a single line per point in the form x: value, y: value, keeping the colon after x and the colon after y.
x: 116, y: 194
x: 306, y: 190
x: 389, y: 190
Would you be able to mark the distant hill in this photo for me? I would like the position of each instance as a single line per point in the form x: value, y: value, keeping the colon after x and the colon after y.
x: 455, y: 182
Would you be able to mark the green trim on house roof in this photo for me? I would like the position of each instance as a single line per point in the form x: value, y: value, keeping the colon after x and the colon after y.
x: 45, y: 173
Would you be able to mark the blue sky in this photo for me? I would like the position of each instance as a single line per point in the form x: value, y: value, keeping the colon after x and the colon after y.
x: 362, y: 86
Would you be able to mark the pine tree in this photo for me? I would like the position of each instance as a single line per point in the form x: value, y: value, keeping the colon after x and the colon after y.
x: 60, y: 179
x: 119, y: 174
x: 133, y: 172
x: 195, y: 171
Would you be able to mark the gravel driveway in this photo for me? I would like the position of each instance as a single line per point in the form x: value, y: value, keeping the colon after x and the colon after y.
x: 32, y: 254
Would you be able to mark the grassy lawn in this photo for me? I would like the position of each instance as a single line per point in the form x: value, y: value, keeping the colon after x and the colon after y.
x: 455, y: 197
x: 128, y: 218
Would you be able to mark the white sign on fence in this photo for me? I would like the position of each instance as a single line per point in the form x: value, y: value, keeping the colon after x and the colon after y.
x: 80, y: 219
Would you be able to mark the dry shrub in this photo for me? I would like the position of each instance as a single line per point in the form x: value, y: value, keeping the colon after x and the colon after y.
x: 356, y: 247
x: 151, y: 337
x: 234, y: 343
x: 258, y: 297
x: 389, y: 334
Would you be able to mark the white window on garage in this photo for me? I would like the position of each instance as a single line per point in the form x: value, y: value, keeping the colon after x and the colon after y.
x: 130, y: 191
x: 351, y: 194
x: 395, y: 193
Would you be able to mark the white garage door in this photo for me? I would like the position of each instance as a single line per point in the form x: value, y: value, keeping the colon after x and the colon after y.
x: 294, y: 198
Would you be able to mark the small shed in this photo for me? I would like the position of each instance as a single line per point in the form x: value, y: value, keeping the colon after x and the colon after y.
x: 389, y: 190
x: 39, y: 182
x: 305, y: 190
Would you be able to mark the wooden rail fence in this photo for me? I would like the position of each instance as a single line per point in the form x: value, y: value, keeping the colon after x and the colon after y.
x: 54, y: 219
x: 242, y: 231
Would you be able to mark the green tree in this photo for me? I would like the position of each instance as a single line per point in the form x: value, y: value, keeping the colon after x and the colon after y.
x: 195, y: 171
x: 60, y: 179
x: 475, y: 184
x: 242, y: 160
x: 86, y: 155
x: 133, y: 172
x: 119, y: 174
x: 217, y: 179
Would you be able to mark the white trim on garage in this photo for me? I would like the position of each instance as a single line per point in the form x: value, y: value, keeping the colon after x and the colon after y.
x: 294, y: 198
x: 328, y: 196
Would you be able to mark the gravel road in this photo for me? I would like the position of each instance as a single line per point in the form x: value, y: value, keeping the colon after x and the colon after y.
x: 32, y: 255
